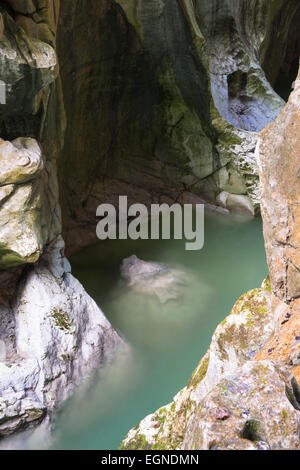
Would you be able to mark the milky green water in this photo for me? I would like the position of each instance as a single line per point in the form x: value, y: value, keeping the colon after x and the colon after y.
x: 168, y: 340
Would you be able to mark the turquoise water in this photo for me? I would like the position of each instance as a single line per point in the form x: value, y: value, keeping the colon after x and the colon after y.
x: 167, y: 340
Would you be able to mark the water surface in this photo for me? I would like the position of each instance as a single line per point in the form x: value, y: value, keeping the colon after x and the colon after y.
x: 167, y: 340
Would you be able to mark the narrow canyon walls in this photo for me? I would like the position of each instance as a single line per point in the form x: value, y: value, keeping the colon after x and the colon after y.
x: 52, y: 334
x: 279, y: 159
x: 245, y: 392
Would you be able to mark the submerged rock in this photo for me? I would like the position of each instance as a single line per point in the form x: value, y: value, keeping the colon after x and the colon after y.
x: 155, y: 279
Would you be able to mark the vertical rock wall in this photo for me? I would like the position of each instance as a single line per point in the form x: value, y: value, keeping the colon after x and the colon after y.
x: 52, y: 334
x: 173, y: 95
x: 279, y: 159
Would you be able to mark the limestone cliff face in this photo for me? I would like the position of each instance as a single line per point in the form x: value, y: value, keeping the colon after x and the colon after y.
x: 245, y: 391
x: 173, y: 95
x: 280, y: 206
x: 280, y: 189
x: 155, y: 99
x: 52, y: 334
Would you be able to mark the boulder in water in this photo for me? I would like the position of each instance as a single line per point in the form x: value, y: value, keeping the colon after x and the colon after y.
x: 152, y: 278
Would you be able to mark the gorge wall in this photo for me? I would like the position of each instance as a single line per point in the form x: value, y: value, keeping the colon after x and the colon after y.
x: 155, y: 99
x: 53, y: 336
x: 245, y: 392
x: 173, y: 95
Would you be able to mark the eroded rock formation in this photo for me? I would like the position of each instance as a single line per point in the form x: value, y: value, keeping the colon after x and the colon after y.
x: 173, y: 95
x: 158, y: 100
x: 280, y: 205
x: 52, y: 334
x: 245, y: 391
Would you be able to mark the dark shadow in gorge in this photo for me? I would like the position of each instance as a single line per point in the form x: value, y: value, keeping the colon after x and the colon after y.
x: 282, y: 80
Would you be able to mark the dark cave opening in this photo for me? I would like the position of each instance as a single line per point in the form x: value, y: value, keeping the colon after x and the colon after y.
x: 286, y: 78
x: 288, y: 71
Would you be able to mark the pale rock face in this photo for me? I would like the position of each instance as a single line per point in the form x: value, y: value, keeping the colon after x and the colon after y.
x: 237, y: 339
x: 278, y: 152
x: 29, y: 210
x: 52, y: 334
x: 236, y: 203
x: 57, y: 337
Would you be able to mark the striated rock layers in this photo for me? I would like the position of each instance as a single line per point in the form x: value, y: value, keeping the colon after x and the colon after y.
x: 153, y: 99
x: 173, y: 94
x: 245, y: 392
x: 52, y: 334
x: 280, y: 205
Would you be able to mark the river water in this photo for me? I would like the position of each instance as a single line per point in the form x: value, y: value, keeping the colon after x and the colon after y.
x: 167, y: 341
